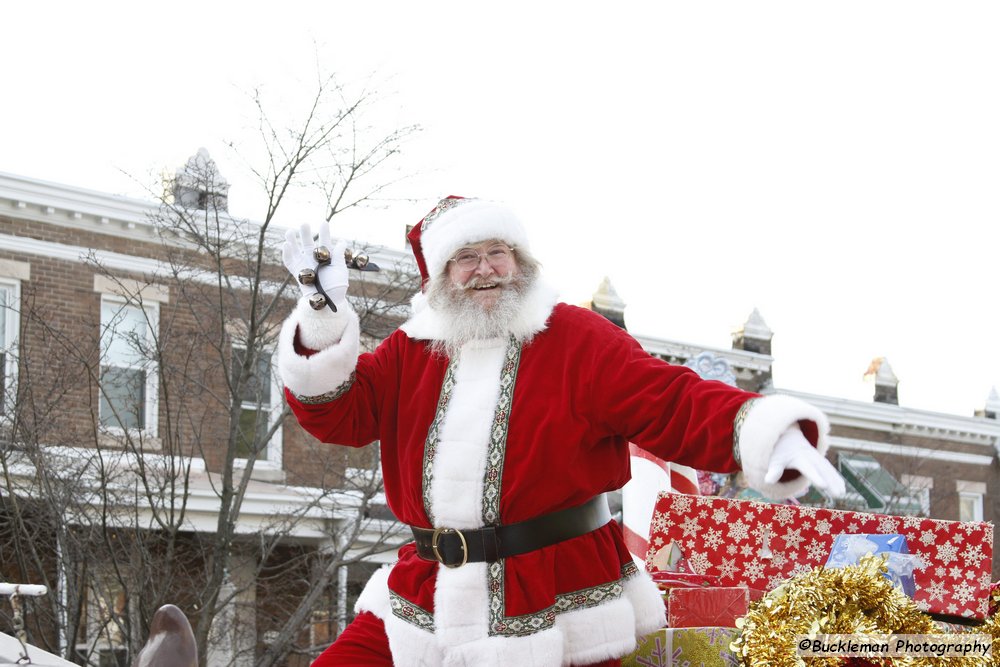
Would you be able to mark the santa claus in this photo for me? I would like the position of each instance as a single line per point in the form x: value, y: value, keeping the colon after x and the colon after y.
x: 503, y: 416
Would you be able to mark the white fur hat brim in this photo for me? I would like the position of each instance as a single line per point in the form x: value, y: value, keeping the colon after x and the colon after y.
x: 472, y: 221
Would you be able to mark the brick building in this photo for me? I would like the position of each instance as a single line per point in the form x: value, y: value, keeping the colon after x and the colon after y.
x: 133, y: 388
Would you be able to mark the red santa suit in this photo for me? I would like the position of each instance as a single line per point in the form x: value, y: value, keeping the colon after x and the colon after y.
x: 508, y: 431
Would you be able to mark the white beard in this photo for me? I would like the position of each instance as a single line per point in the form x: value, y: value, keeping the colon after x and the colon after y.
x: 467, y: 320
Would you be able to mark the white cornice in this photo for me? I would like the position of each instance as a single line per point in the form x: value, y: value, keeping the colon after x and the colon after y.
x: 35, y: 200
x: 910, y: 452
x: 890, y: 418
x: 739, y: 359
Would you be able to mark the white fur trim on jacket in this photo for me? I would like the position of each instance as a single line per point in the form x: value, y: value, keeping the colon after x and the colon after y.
x: 334, y: 335
x: 767, y: 418
x: 426, y: 323
x: 472, y: 221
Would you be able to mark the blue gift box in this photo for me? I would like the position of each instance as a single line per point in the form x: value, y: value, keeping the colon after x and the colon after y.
x: 848, y: 549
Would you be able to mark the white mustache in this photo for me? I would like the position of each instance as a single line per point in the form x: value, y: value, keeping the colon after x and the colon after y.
x: 476, y: 282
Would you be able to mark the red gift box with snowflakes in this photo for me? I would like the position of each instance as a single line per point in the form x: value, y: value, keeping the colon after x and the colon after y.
x: 757, y: 544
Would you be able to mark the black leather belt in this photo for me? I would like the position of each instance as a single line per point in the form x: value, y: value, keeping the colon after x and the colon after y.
x: 454, y: 548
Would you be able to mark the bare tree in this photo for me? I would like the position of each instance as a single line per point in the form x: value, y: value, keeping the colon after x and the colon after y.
x: 110, y: 512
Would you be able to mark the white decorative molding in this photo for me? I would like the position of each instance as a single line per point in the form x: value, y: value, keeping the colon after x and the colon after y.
x: 131, y: 288
x: 738, y: 359
x: 11, y: 268
x: 712, y: 367
x: 963, y: 486
x: 890, y: 418
x: 910, y: 451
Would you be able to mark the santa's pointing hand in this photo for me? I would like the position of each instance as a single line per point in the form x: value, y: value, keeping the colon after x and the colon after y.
x: 793, y: 451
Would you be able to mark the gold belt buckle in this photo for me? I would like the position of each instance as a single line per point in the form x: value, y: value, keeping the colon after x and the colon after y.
x: 438, y: 532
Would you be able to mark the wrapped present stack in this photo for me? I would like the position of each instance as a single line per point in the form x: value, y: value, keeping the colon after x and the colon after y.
x: 712, y: 557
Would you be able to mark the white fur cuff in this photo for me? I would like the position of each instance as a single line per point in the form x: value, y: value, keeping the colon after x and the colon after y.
x: 764, y: 422
x: 334, y: 335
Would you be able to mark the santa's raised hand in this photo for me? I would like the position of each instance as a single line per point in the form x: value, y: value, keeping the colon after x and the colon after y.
x: 318, y: 268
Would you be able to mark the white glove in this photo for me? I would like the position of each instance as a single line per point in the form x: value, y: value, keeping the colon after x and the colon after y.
x: 298, y: 256
x: 793, y: 451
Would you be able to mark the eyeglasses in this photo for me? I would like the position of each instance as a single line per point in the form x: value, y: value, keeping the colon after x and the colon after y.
x: 498, y: 255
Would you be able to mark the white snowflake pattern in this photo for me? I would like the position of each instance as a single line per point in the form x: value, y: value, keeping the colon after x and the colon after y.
x: 888, y: 525
x: 808, y: 510
x: 973, y: 554
x: 800, y: 568
x: 923, y: 606
x: 699, y: 562
x: 970, y: 526
x: 953, y: 609
x: 713, y: 538
x: 728, y: 568
x: 940, y: 571
x: 690, y: 526
x: 779, y: 559
x: 793, y: 538
x: 749, y: 517
x: 689, y: 544
x: 955, y: 572
x: 746, y: 550
x: 964, y: 593
x: 946, y: 553
x: 680, y: 504
x: 816, y: 550
x: 927, y: 537
x: 753, y: 570
x: 854, y: 529
x: 912, y: 521
x: 719, y: 515
x: 785, y: 514
x: 731, y: 549
x: 823, y: 527
x: 660, y: 523
x: 775, y: 581
x: 738, y: 531
x: 936, y: 590
x: 957, y: 538
x: 703, y: 514
x: 969, y: 574
x: 658, y: 541
x: 985, y: 579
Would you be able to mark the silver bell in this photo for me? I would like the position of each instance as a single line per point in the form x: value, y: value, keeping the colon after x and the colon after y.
x: 321, y: 254
x: 361, y: 260
x: 307, y: 276
x: 317, y: 301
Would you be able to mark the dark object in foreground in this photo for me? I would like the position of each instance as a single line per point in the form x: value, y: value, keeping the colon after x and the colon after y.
x: 171, y: 641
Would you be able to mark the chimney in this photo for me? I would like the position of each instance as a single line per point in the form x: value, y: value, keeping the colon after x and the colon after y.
x: 198, y: 184
x: 992, y: 408
x: 754, y: 335
x: 606, y: 302
x: 886, y: 382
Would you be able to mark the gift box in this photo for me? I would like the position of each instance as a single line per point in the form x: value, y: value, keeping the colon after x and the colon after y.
x: 900, y: 563
x: 758, y: 544
x: 701, y: 607
x: 676, y: 647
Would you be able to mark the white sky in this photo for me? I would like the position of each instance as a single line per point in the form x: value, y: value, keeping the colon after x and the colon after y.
x: 836, y: 165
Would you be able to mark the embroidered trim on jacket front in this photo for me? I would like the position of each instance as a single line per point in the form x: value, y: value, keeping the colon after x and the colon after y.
x: 411, y: 613
x: 497, y: 448
x: 517, y: 626
x: 433, y: 434
x: 329, y: 396
x: 741, y: 416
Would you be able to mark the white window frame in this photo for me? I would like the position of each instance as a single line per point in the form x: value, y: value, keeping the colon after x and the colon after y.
x: 12, y: 327
x: 274, y: 451
x: 152, y: 402
x: 974, y: 492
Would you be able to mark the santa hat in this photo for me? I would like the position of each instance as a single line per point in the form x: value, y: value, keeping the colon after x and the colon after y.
x: 460, y: 221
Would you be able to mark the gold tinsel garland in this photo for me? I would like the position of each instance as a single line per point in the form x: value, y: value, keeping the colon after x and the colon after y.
x: 850, y: 600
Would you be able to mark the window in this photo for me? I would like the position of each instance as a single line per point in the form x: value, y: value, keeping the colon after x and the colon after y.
x: 970, y: 506
x: 128, y: 391
x: 259, y: 403
x: 10, y: 294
